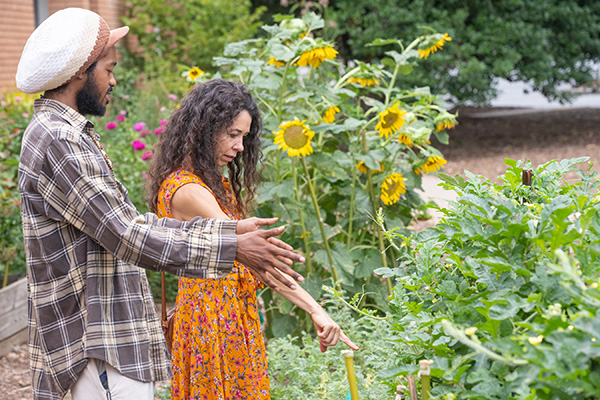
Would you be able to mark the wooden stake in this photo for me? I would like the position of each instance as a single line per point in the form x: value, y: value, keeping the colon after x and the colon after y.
x: 412, y: 387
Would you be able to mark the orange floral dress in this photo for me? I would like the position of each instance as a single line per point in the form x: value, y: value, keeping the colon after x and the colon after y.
x: 218, y: 349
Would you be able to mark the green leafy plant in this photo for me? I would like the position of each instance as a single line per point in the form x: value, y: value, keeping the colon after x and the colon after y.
x: 340, y: 141
x: 15, y: 110
x: 503, y: 294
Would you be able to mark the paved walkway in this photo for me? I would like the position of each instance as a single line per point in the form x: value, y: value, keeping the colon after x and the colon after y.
x: 432, y: 192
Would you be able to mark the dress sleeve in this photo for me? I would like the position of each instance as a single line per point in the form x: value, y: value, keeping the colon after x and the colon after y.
x: 80, y: 193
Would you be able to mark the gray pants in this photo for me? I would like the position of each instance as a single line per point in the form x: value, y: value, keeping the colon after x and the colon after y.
x: 91, y: 385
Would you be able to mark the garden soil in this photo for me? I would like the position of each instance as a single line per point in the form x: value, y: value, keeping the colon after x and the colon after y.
x: 480, y: 142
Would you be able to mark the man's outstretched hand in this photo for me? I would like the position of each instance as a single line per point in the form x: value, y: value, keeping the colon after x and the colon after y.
x: 262, y: 252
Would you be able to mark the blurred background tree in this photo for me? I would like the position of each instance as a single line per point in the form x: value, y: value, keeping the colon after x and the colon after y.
x: 545, y: 43
x: 186, y: 32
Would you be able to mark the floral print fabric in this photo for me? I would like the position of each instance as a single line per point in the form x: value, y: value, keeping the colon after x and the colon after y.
x: 218, y: 349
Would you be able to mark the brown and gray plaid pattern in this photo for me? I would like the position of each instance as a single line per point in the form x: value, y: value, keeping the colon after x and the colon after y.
x: 84, y: 242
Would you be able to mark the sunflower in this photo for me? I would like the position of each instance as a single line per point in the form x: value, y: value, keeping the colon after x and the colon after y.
x: 444, y: 125
x: 316, y: 56
x: 194, y: 73
x: 364, y: 81
x: 402, y: 138
x: 329, y: 115
x: 390, y: 120
x: 363, y: 168
x: 276, y: 63
x: 294, y: 137
x: 431, y: 165
x: 392, y: 188
x: 424, y: 53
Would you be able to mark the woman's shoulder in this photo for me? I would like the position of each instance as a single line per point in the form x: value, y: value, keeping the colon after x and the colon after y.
x: 173, y: 182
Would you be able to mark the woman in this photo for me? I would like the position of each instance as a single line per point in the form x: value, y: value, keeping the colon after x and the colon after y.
x: 218, y: 350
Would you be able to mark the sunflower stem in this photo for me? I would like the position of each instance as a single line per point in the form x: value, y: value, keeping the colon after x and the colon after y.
x: 374, y: 204
x: 302, y: 224
x: 351, y: 216
x: 321, y: 226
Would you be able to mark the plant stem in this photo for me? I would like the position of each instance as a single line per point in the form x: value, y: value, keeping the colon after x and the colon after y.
x: 351, y: 215
x: 321, y: 226
x: 374, y: 203
x: 302, y: 224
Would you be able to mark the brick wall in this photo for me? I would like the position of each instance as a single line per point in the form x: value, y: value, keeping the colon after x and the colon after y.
x: 17, y: 22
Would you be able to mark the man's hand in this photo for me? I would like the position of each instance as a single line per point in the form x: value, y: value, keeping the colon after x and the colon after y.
x: 264, y: 254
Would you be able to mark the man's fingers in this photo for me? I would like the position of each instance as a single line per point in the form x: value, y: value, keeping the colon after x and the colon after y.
x: 280, y: 243
x: 266, y: 221
x: 323, y: 347
x: 287, y: 270
x: 274, y: 274
x: 348, y: 342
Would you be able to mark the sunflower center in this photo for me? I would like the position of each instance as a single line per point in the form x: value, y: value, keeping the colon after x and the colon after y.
x: 391, y: 187
x: 294, y: 137
x: 390, y: 119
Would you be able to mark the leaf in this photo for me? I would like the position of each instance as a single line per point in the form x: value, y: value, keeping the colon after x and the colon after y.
x: 283, y: 325
x: 269, y: 190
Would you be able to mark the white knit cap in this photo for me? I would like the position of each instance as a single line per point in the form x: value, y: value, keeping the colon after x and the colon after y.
x: 63, y: 46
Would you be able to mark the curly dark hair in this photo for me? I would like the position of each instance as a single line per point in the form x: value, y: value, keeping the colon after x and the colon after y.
x: 189, y: 139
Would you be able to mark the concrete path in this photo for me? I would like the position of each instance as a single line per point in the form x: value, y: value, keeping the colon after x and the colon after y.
x: 433, y: 192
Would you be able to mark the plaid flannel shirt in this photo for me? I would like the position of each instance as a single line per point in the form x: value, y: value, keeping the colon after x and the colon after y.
x: 84, y: 242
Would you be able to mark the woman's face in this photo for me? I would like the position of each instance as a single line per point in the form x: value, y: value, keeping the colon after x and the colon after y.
x: 230, y: 142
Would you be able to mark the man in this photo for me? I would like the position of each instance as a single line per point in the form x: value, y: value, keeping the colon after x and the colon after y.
x: 92, y: 322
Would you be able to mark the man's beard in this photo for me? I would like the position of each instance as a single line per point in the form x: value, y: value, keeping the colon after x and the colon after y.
x: 88, y: 98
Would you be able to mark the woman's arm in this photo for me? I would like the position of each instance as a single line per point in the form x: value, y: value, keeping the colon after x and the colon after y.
x: 193, y: 200
x: 327, y: 330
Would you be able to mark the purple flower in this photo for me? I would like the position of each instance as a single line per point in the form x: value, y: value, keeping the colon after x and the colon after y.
x: 138, y: 145
x: 147, y: 155
x: 111, y: 125
x: 159, y: 130
x: 163, y: 122
x: 121, y: 117
x: 172, y: 96
x: 139, y: 126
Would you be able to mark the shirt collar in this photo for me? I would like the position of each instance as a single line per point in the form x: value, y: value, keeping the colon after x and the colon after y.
x: 72, y: 117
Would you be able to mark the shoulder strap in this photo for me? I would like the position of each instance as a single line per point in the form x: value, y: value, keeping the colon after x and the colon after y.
x: 163, y: 311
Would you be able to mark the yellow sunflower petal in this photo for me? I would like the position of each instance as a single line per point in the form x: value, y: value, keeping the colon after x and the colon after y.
x: 390, y: 121
x: 431, y: 165
x: 294, y: 137
x: 391, y: 189
x: 329, y: 115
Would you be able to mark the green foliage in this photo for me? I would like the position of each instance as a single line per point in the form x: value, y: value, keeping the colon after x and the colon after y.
x: 545, y: 43
x: 187, y: 32
x: 15, y: 110
x: 298, y: 369
x: 503, y: 293
x: 313, y: 154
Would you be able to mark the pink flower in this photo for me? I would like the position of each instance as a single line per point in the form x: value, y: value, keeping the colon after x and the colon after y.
x: 121, y: 117
x: 145, y: 132
x: 172, y: 96
x: 159, y: 130
x: 163, y: 122
x: 138, y: 145
x: 19, y: 98
x: 111, y: 125
x: 147, y: 155
x: 139, y: 126
x: 125, y: 96
x: 25, y: 115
